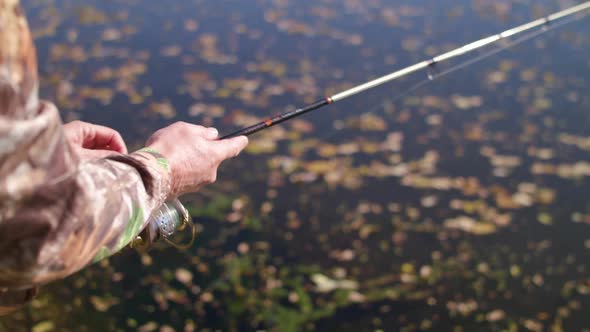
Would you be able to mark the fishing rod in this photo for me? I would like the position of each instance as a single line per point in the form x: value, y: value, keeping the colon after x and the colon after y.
x: 426, y: 64
x: 172, y: 216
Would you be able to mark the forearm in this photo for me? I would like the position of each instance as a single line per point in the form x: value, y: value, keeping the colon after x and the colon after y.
x: 58, y: 213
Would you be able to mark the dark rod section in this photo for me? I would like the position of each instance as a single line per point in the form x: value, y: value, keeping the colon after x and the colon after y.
x: 278, y: 119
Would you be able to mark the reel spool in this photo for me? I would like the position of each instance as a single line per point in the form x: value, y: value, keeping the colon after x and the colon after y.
x: 171, y: 218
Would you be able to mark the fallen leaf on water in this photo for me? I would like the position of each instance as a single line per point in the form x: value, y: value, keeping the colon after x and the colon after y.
x: 44, y: 326
x: 184, y: 276
x: 164, y: 109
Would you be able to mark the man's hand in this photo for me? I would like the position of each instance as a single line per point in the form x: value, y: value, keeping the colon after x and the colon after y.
x: 194, y: 154
x: 93, y: 141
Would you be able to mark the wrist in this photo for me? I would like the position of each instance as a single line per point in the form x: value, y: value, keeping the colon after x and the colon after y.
x: 160, y: 159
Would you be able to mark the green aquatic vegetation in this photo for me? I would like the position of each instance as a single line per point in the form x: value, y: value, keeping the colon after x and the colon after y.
x: 216, y: 208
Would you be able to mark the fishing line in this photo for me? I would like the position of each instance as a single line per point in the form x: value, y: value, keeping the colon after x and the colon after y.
x: 433, y: 76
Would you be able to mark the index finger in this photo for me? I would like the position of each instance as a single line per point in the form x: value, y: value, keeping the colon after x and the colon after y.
x: 105, y: 137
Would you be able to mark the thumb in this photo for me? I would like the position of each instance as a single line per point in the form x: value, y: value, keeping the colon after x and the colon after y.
x: 231, y: 147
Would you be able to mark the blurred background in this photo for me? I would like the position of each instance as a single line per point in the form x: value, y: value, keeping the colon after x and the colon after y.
x: 462, y: 205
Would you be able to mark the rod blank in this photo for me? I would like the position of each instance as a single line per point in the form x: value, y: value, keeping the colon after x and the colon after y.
x: 468, y: 48
x: 465, y: 49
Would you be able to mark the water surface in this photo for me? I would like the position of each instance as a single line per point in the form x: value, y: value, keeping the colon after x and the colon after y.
x: 462, y: 205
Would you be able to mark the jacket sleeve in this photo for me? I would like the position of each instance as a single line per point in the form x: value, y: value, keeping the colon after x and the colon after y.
x: 57, y: 212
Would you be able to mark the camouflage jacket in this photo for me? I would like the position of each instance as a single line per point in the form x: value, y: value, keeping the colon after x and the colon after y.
x: 58, y: 213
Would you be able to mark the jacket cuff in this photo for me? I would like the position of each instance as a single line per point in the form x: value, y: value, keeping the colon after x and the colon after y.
x: 153, y: 168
